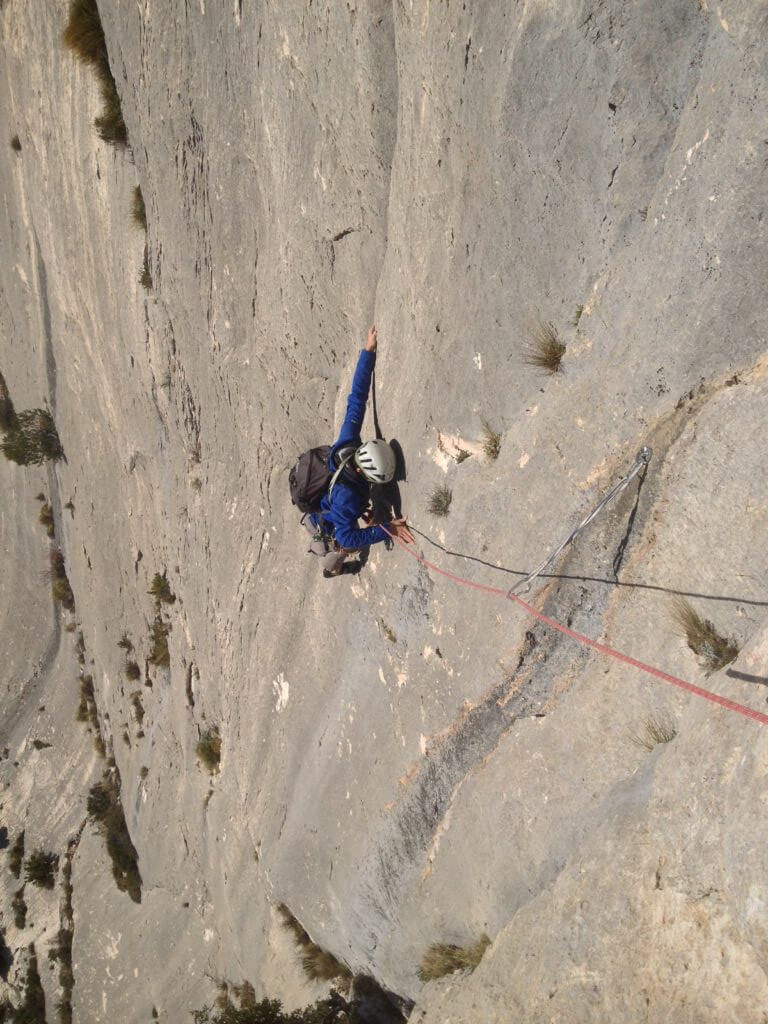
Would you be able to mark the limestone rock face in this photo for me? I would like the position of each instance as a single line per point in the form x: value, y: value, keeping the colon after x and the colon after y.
x: 403, y: 761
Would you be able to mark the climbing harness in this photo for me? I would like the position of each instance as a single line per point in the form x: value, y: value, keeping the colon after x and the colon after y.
x: 640, y: 465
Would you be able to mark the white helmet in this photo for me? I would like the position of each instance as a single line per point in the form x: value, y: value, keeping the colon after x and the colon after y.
x: 377, y: 461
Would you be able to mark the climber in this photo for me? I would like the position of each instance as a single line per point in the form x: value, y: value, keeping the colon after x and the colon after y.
x: 355, y: 466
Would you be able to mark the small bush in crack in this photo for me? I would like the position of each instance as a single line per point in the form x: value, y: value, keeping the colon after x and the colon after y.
x: 440, y: 501
x: 712, y: 650
x: 441, y: 959
x: 138, y: 707
x: 145, y: 277
x: 491, y: 442
x: 161, y: 589
x: 16, y: 144
x: 105, y: 808
x: 86, y: 709
x: 125, y: 643
x: 84, y: 35
x: 57, y: 574
x: 19, y: 907
x: 46, y: 518
x: 209, y: 750
x: 40, y: 869
x: 32, y: 439
x: 158, y: 643
x: 132, y: 670
x: 138, y: 209
x: 16, y: 855
x: 655, y: 730
x: 545, y: 350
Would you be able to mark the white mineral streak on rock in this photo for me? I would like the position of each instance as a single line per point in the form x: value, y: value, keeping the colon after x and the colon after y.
x: 281, y: 689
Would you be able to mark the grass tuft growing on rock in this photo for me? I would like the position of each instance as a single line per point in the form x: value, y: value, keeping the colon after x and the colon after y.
x: 125, y: 643
x: 132, y: 670
x: 491, y: 442
x: 713, y: 651
x: 16, y: 144
x: 655, y: 730
x: 208, y: 750
x: 440, y: 500
x: 441, y: 959
x: 545, y: 351
x: 40, y: 869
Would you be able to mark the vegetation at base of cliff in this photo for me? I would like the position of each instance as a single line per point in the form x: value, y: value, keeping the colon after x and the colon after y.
x: 545, y: 351
x: 41, y: 867
x: 105, y: 808
x: 440, y: 501
x: 713, y: 650
x: 208, y: 749
x: 368, y: 1004
x: 84, y: 35
x: 270, y: 1011
x: 318, y: 963
x: 655, y: 730
x: 441, y: 959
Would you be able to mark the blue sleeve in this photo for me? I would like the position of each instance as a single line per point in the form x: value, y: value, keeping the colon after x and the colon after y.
x: 358, y: 397
x: 350, y: 537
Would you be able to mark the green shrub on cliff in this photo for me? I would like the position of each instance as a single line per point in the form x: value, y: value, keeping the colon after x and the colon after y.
x: 84, y: 35
x: 32, y: 438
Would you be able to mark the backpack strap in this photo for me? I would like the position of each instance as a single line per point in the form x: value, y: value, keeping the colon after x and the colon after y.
x: 346, y: 458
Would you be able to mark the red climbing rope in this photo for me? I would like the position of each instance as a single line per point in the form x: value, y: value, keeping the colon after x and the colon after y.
x: 715, y: 698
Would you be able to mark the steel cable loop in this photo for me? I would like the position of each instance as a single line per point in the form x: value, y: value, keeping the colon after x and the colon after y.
x: 641, y: 462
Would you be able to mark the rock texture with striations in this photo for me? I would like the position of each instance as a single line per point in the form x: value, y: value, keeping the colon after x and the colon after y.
x: 402, y: 761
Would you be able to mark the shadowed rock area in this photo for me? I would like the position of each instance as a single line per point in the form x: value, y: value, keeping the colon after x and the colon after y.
x: 398, y: 759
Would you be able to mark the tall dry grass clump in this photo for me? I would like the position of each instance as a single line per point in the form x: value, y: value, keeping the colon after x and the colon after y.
x: 441, y: 959
x: 713, y: 650
x: 545, y: 351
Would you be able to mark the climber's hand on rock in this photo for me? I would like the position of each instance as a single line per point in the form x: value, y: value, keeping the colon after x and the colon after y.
x: 399, y: 529
x: 370, y: 345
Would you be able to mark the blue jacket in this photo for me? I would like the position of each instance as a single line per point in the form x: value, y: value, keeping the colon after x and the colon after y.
x: 351, y: 492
